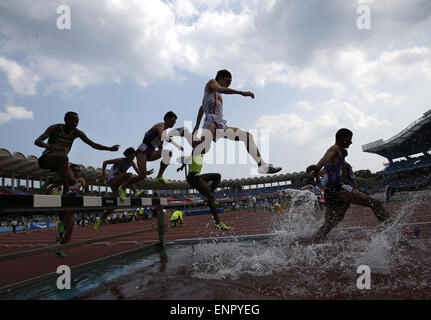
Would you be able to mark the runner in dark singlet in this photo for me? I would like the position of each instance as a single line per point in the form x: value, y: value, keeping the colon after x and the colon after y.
x: 338, y: 194
x: 118, y: 173
x: 60, y: 139
x: 146, y: 151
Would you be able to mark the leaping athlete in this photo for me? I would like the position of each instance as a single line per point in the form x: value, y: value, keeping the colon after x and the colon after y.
x: 215, y: 126
x: 146, y: 151
x: 199, y: 182
x: 118, y: 173
x: 60, y: 139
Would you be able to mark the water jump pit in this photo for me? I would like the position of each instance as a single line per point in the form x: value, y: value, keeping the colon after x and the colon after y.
x: 267, y: 267
x: 272, y: 269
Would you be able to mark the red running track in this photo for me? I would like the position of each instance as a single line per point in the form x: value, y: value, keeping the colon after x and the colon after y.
x: 243, y: 223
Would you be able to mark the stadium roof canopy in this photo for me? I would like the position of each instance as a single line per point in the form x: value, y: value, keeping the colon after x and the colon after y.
x: 16, y: 165
x: 412, y: 140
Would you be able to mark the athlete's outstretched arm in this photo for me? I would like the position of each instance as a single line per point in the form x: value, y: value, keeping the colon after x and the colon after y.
x: 216, y: 87
x: 94, y: 145
x: 176, y: 145
x: 165, y: 137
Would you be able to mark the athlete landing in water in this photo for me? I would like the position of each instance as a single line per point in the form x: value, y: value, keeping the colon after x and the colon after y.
x: 338, y: 194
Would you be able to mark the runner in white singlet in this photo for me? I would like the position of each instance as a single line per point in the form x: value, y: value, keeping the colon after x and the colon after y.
x: 212, y: 107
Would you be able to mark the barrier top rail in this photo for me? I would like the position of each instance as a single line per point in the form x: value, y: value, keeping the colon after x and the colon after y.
x: 36, y: 203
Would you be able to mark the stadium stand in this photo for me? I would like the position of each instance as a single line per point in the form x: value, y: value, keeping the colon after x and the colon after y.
x: 16, y: 166
x: 409, y: 161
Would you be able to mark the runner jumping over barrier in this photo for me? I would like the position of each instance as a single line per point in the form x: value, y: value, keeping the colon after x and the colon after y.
x: 199, y: 182
x: 146, y: 151
x: 214, y: 126
x: 60, y: 139
x: 118, y: 175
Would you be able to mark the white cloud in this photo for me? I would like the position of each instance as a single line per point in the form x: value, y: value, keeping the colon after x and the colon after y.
x: 332, y: 116
x: 22, y: 80
x: 411, y: 64
x: 304, y: 106
x: 15, y: 113
x: 261, y: 43
x: 184, y: 8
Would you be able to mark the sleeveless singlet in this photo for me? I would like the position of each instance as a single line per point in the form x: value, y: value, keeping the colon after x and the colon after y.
x: 335, y: 171
x: 60, y: 138
x: 117, y: 170
x: 212, y: 105
x: 196, y: 165
x: 77, y: 186
x: 151, y: 138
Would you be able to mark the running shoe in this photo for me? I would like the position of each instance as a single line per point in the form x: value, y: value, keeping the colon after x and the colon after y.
x: 122, y: 193
x: 60, y: 254
x: 268, y: 169
x: 222, y: 226
x: 45, y: 184
x: 162, y: 180
x: 139, y: 193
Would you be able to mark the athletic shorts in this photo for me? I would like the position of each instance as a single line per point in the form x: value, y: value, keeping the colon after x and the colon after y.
x: 215, y: 121
x: 332, y: 191
x: 145, y: 149
x: 192, y: 178
x: 110, y: 177
x: 40, y: 162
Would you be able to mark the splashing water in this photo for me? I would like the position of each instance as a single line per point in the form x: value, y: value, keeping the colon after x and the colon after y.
x: 319, y: 270
x: 299, y: 220
x: 382, y: 252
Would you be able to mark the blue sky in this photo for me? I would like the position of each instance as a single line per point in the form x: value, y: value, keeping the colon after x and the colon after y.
x: 123, y: 64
